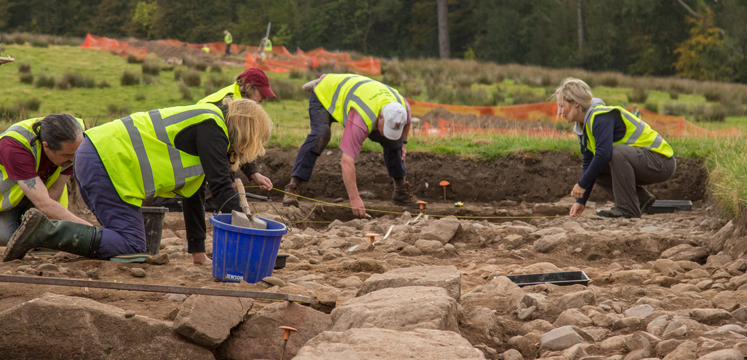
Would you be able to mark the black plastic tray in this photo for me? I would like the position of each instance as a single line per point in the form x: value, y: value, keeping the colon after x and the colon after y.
x: 668, y: 206
x: 556, y: 278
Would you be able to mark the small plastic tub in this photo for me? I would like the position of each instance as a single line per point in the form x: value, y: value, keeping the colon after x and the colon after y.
x: 280, y: 261
x: 243, y: 253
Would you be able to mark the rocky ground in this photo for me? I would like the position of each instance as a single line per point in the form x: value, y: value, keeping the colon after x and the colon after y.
x: 667, y: 286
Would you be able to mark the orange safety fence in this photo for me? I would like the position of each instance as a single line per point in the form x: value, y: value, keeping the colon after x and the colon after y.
x: 666, y: 125
x: 111, y: 45
x: 451, y: 128
x: 279, y: 59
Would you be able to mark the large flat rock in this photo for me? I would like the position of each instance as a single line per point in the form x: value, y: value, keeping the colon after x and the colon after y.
x: 404, y: 308
x: 66, y: 327
x: 260, y: 338
x: 383, y: 344
x: 446, y: 277
x: 208, y: 320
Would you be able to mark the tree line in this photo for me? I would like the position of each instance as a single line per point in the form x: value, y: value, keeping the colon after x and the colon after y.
x: 700, y: 39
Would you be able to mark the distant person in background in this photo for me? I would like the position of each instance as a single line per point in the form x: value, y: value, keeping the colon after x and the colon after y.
x: 228, y: 39
x: 620, y: 152
x: 266, y: 48
x: 252, y: 84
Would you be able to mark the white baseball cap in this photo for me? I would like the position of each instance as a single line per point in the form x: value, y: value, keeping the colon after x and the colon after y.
x: 395, y: 118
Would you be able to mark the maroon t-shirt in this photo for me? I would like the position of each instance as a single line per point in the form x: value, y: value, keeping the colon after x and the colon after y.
x: 19, y: 163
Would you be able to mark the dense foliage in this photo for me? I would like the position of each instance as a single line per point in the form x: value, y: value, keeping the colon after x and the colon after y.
x: 639, y: 37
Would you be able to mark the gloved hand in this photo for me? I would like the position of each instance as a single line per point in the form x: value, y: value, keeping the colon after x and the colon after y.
x: 309, y: 85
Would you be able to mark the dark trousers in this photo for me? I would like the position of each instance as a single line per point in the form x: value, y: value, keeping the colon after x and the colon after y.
x: 317, y: 140
x: 228, y: 49
x: 124, y: 232
x: 630, y: 168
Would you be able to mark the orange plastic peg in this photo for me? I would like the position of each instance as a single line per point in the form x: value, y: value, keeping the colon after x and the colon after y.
x: 373, y: 237
x: 288, y: 330
x: 444, y: 184
x: 422, y: 204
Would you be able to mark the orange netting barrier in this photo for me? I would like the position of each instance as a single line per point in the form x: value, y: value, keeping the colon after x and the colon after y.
x: 278, y: 60
x: 120, y: 47
x: 666, y: 125
x: 451, y: 128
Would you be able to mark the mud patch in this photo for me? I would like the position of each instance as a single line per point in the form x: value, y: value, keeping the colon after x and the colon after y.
x: 486, y: 122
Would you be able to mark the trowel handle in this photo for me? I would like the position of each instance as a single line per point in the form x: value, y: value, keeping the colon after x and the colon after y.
x: 257, y: 197
x: 242, y: 196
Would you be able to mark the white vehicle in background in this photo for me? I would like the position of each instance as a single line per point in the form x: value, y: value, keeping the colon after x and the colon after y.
x: 5, y: 59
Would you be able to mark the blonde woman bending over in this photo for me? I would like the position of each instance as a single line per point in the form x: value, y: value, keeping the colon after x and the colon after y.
x: 163, y: 153
x: 620, y: 152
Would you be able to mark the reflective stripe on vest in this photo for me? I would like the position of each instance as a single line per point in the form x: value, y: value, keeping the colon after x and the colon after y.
x: 217, y: 97
x: 148, y: 137
x: 637, y: 132
x: 10, y: 191
x: 348, y: 91
x: 228, y: 38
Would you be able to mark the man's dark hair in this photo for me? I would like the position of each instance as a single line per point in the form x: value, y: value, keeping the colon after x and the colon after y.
x: 56, y: 129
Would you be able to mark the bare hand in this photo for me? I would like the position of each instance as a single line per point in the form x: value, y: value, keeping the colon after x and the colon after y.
x: 264, y: 182
x: 404, y: 152
x: 577, y: 209
x: 577, y: 192
x: 359, y: 209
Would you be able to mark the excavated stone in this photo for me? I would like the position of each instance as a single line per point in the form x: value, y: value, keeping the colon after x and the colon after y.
x: 511, y: 354
x: 549, y: 242
x: 686, y: 252
x: 260, y: 338
x: 432, y: 247
x: 685, y: 351
x: 717, y: 241
x: 442, y: 230
x: 577, y: 299
x: 446, y: 277
x: 402, y: 309
x: 64, y: 327
x: 500, y: 294
x: 573, y: 317
x: 639, y: 311
x: 384, y: 344
x: 350, y: 281
x: 560, y: 338
x: 208, y: 320
x: 665, y: 347
x: 710, y: 316
x: 726, y: 354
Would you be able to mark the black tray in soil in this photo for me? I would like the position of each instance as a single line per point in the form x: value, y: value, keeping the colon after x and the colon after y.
x: 280, y: 261
x: 556, y: 278
x: 669, y: 206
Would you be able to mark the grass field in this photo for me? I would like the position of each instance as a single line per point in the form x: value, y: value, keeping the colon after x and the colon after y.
x: 725, y: 158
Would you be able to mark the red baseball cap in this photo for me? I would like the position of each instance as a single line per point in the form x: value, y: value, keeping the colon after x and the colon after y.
x: 258, y: 78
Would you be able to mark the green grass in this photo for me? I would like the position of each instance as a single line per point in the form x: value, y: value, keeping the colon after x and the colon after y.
x: 725, y: 158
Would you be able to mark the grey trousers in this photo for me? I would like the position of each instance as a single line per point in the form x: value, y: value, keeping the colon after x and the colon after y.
x: 630, y: 168
x: 11, y: 219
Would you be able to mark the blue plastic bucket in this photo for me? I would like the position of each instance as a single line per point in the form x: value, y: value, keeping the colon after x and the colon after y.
x: 242, y: 253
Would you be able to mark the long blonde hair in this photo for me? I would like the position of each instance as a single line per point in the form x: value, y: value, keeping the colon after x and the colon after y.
x: 249, y: 128
x: 574, y: 90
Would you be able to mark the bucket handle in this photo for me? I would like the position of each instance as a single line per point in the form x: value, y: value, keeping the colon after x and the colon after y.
x: 260, y: 198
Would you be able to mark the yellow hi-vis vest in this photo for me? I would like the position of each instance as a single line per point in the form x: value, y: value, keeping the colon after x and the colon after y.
x: 637, y: 133
x: 10, y: 193
x: 217, y: 97
x: 139, y: 155
x: 268, y: 45
x: 341, y: 92
x: 228, y: 39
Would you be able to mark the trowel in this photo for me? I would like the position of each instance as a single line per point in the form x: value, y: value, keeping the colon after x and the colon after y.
x: 246, y: 219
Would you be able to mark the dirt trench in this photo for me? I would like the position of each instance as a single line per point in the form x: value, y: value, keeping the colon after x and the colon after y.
x: 533, y: 177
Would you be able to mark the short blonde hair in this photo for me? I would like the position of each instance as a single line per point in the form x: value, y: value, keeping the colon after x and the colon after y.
x: 574, y: 90
x: 249, y: 128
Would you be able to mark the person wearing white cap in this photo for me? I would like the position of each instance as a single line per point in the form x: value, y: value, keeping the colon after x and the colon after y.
x: 366, y: 108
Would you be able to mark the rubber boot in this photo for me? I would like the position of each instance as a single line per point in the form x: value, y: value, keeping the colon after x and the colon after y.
x: 290, y: 198
x: 37, y: 231
x: 404, y: 196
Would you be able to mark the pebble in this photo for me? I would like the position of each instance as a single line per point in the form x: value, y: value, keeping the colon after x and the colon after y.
x: 137, y: 272
x: 177, y: 297
x: 274, y: 281
x: 314, y: 261
x: 129, y: 313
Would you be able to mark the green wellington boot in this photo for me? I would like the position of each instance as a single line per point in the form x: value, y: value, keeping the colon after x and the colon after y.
x: 37, y: 231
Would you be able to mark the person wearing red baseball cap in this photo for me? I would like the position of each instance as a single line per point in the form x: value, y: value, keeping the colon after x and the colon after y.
x: 252, y: 84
